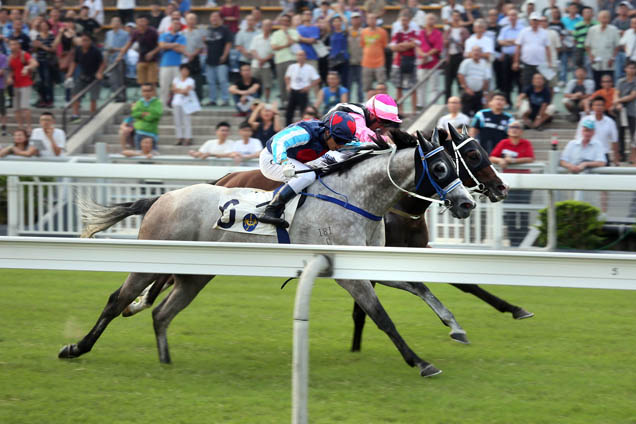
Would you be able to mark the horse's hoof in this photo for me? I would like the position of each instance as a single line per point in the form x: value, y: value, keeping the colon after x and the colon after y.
x: 460, y: 337
x: 68, y: 352
x: 520, y: 313
x: 429, y: 371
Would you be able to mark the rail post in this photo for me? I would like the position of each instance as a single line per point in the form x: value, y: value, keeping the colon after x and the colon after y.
x: 13, y: 206
x: 319, y: 265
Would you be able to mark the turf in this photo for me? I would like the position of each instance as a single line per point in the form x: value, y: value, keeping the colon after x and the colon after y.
x: 572, y: 363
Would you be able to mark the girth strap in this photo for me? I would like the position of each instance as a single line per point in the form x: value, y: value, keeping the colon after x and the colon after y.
x: 345, y: 205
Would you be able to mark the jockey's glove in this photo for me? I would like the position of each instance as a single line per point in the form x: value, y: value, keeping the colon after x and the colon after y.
x: 289, y: 170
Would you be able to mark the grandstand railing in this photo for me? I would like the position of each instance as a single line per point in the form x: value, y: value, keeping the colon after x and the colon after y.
x: 419, y: 83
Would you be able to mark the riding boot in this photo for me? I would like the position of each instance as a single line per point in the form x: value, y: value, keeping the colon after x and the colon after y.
x: 276, y: 207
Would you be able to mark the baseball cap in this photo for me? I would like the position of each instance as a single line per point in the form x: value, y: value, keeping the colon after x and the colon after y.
x: 589, y: 124
x: 535, y: 16
x: 131, y: 25
x: 626, y: 4
x: 355, y: 15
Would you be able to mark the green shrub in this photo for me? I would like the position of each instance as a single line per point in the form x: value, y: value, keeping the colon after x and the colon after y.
x: 578, y: 226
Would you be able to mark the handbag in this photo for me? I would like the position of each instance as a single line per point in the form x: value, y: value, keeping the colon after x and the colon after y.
x: 407, y: 64
x: 191, y: 104
x: 337, y: 60
x: 320, y: 49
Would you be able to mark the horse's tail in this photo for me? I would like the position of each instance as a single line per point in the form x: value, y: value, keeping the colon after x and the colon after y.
x: 98, y: 217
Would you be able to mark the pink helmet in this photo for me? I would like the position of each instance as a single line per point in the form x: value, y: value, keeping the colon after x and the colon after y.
x: 384, y: 107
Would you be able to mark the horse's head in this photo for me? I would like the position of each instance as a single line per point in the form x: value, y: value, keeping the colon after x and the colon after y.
x: 475, y: 169
x: 435, y: 174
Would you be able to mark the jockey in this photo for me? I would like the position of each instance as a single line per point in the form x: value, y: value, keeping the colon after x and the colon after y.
x: 379, y: 112
x: 289, y: 150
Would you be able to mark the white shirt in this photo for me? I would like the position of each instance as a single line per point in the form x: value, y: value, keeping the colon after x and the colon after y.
x: 447, y: 11
x: 178, y: 99
x: 533, y: 46
x: 214, y: 148
x: 397, y: 26
x: 40, y: 141
x: 166, y: 23
x: 262, y: 47
x: 457, y: 121
x: 555, y: 43
x: 605, y: 131
x: 253, y: 145
x: 602, y: 45
x: 475, y: 73
x: 126, y: 4
x: 95, y: 10
x: 628, y: 40
x: 575, y: 153
x: 486, y: 43
x: 301, y: 77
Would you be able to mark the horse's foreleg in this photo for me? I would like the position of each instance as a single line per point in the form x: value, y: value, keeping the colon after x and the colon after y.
x: 457, y: 333
x: 186, y: 288
x: 359, y: 317
x: 499, y: 304
x: 117, y: 301
x: 149, y: 295
x: 364, y: 295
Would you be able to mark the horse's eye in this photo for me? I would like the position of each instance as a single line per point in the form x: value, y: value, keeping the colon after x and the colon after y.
x: 440, y: 170
x: 474, y: 156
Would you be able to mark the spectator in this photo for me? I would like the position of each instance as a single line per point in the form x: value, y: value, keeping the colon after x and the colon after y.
x: 220, y: 147
x: 377, y: 8
x: 339, y: 51
x: 515, y: 150
x: 96, y: 10
x: 355, y: 56
x: 49, y: 141
x: 474, y: 77
x: 602, y: 46
x: 116, y: 40
x: 322, y: 50
x: 532, y: 51
x: 607, y: 92
x: 373, y: 41
x: 554, y: 45
x: 59, y: 5
x: 605, y: 130
x: 15, y: 21
x: 245, y: 90
x: 577, y: 90
x: 610, y: 5
x: 127, y: 133
x: 533, y: 104
x: 21, y: 66
x: 308, y: 35
x: 194, y: 48
x: 182, y: 88
x: 265, y: 122
x: 126, y: 11
x: 281, y: 42
x: 584, y: 152
x: 65, y: 43
x: 148, y: 41
x: 184, y: 6
x: 54, y: 20
x: 479, y: 38
x: 623, y: 23
x: 310, y: 113
x: 87, y: 24
x: 628, y: 42
x: 173, y: 46
x: 46, y: 57
x: 146, y: 149
x: 625, y: 107
x: 447, y: 11
x: 490, y: 126
x: 20, y: 145
x: 218, y: 42
x: 4, y: 71
x: 34, y: 8
x: 261, y: 53
x: 247, y: 147
x: 21, y: 35
x: 230, y: 14
x: 454, y: 116
x: 244, y: 39
x: 323, y: 11
x: 258, y: 19
x: 156, y: 16
x: 455, y: 37
x: 91, y: 65
x: 4, y: 20
x: 580, y: 35
x: 429, y: 49
x: 147, y: 113
x: 172, y: 12
x: 299, y: 80
x: 507, y: 39
x: 470, y: 14
x: 332, y: 94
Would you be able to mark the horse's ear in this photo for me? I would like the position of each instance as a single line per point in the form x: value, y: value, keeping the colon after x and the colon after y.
x: 457, y: 138
x: 443, y: 134
x: 426, y: 145
x: 435, y: 137
x: 465, y: 130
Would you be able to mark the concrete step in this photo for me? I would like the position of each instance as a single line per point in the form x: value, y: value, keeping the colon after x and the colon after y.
x: 165, y: 149
x: 197, y: 140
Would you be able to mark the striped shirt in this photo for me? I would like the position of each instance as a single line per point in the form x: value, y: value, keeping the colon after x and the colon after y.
x: 580, y: 33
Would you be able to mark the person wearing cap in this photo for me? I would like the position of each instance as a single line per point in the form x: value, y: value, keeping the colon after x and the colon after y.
x: 580, y: 35
x: 584, y: 152
x: 288, y: 151
x: 605, y: 130
x: 533, y: 50
x: 601, y: 45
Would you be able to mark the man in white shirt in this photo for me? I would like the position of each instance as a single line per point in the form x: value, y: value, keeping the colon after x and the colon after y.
x: 474, y: 77
x: 220, y: 147
x: 479, y: 38
x: 628, y: 41
x: 554, y: 44
x: 605, y: 131
x: 49, y: 141
x: 601, y: 45
x: 583, y: 153
x: 533, y: 50
x: 95, y: 10
x: 247, y: 147
x: 244, y: 38
x: 126, y: 10
x: 454, y: 116
x: 166, y: 22
x: 299, y: 79
x: 448, y: 10
x: 261, y: 52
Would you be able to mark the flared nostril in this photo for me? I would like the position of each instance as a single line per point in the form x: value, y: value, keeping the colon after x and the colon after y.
x: 468, y: 205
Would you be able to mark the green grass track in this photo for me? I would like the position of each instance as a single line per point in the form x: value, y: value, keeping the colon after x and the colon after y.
x: 574, y: 362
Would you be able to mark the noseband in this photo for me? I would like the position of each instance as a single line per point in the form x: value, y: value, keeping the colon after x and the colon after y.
x: 479, y: 187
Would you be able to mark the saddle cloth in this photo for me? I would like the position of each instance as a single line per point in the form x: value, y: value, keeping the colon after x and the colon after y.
x: 239, y: 211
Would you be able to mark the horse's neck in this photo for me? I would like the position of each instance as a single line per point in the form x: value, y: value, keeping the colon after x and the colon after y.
x: 413, y: 205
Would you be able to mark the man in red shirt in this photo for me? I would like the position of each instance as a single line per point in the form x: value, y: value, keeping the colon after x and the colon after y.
x: 21, y: 67
x: 403, y: 44
x: 515, y: 150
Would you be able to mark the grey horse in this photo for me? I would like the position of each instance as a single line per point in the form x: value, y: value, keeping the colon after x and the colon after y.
x: 373, y: 185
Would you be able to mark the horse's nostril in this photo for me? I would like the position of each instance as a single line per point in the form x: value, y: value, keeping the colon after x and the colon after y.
x: 467, y: 205
x: 502, y: 187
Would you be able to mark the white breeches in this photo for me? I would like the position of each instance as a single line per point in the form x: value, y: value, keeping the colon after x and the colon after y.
x: 274, y: 171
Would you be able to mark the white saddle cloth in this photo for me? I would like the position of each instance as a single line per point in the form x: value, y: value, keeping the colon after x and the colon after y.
x: 240, y: 214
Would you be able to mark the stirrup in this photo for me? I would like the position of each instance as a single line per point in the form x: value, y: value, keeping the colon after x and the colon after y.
x: 277, y: 221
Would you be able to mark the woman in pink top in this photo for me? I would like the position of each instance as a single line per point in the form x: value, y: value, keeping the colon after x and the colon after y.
x: 230, y: 14
x: 429, y: 49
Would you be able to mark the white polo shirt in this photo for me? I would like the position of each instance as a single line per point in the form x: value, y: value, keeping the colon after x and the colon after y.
x: 486, y: 43
x: 475, y: 73
x: 533, y: 46
x: 301, y: 76
x: 213, y: 147
x: 605, y: 131
x: 252, y: 146
x: 457, y: 121
x: 575, y: 152
x: 40, y: 141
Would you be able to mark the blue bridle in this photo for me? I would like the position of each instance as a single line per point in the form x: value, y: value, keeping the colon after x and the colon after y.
x: 441, y: 192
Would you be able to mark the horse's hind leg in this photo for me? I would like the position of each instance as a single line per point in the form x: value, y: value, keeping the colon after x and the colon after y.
x: 117, y: 301
x: 149, y: 295
x: 499, y: 304
x: 359, y: 318
x: 364, y: 295
x: 186, y: 288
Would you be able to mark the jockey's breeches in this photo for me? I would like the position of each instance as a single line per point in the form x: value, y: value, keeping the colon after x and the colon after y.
x: 274, y: 171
